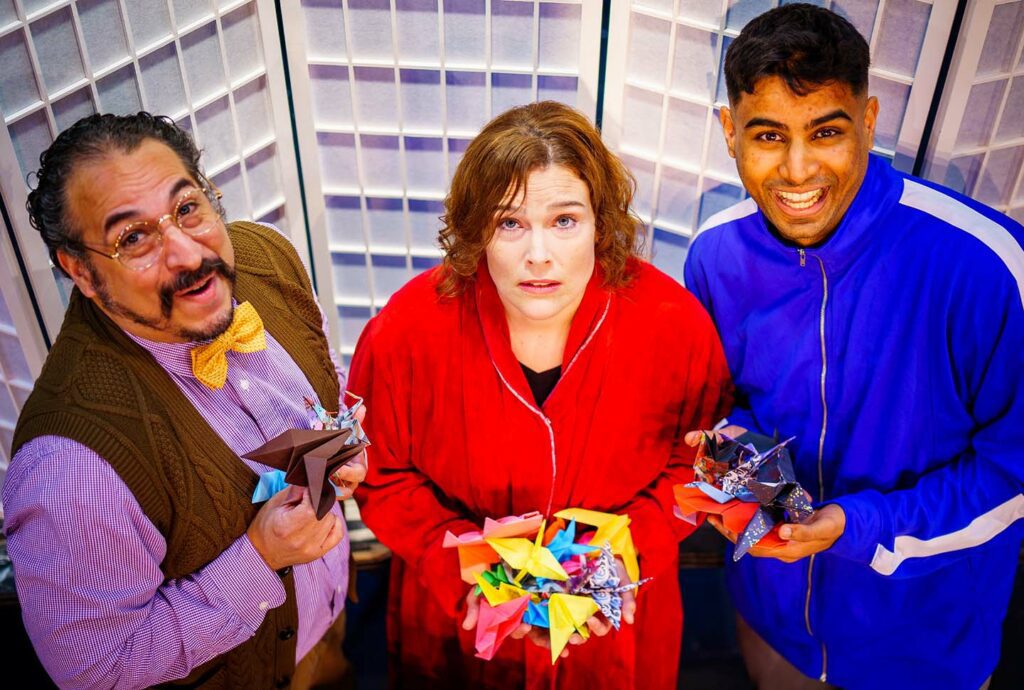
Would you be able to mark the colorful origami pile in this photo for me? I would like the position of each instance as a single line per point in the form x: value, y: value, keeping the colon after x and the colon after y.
x: 547, y: 576
x: 753, y: 492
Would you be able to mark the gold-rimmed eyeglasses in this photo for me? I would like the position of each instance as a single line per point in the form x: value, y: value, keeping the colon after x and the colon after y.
x: 140, y: 244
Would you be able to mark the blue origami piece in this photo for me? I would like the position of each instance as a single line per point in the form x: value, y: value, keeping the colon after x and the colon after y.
x: 563, y: 545
x: 272, y: 482
x: 269, y: 484
x: 712, y: 492
x: 537, y: 614
x: 321, y: 419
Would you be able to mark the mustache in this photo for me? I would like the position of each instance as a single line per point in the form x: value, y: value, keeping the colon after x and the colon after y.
x: 189, y: 279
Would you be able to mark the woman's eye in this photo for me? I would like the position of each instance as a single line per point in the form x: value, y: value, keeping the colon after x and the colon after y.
x: 187, y: 208
x: 508, y: 224
x: 565, y: 222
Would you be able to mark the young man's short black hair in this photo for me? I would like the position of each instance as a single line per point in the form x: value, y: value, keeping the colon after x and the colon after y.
x: 805, y: 45
x: 88, y: 139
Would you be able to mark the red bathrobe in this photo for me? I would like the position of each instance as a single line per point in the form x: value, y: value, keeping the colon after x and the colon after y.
x: 457, y: 436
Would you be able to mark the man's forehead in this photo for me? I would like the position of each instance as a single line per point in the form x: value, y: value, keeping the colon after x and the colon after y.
x: 774, y: 99
x: 120, y: 182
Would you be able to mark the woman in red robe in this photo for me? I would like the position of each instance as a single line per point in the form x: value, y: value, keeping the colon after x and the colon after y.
x: 542, y: 366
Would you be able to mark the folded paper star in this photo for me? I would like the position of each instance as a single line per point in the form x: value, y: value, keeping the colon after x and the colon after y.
x: 476, y: 555
x: 308, y: 457
x: 529, y: 557
x: 568, y: 613
x: 495, y: 623
x: 565, y: 572
x: 753, y: 492
x: 611, y: 528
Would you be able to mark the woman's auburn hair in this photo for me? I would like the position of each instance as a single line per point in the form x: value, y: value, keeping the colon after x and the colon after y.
x: 494, y: 171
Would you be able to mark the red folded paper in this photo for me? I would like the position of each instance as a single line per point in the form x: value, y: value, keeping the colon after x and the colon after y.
x: 735, y: 513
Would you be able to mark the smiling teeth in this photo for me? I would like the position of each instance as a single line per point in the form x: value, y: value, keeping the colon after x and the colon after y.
x: 802, y: 200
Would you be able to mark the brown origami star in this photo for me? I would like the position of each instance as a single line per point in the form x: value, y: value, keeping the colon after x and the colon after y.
x: 309, y: 457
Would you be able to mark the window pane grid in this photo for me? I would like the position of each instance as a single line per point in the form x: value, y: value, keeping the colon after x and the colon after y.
x: 685, y: 174
x: 164, y: 55
x: 994, y: 171
x: 15, y: 383
x: 396, y: 90
x: 979, y: 142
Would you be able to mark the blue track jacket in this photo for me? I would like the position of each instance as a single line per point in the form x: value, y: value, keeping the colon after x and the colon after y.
x: 894, y: 353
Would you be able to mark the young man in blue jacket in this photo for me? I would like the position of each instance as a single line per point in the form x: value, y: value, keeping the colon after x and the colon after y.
x: 879, y: 319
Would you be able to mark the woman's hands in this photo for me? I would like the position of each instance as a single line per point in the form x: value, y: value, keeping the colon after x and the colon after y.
x: 597, y: 624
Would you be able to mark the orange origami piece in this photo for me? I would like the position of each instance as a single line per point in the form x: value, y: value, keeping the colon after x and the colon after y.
x: 735, y: 513
x: 476, y: 555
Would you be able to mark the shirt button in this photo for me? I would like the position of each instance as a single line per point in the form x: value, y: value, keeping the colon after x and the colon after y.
x: 264, y: 605
x: 338, y: 588
x: 244, y: 384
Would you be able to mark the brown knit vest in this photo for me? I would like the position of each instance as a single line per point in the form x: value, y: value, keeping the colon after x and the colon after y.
x: 101, y: 389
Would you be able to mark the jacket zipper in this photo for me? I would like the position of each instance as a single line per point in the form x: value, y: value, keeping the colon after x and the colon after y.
x: 821, y: 452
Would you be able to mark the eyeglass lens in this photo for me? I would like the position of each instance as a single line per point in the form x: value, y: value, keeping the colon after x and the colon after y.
x: 140, y: 243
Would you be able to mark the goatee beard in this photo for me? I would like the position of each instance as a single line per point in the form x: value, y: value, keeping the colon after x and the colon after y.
x: 181, y: 282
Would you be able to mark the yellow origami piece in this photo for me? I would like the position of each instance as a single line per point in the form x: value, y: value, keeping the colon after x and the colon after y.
x: 567, y: 614
x: 499, y: 595
x: 613, y: 529
x: 529, y: 557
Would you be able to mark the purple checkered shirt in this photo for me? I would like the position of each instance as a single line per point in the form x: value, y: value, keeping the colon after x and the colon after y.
x: 87, y: 559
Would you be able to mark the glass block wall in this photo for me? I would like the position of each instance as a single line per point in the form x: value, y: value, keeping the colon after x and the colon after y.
x: 202, y: 62
x: 665, y: 85
x: 15, y: 382
x: 978, y: 147
x: 395, y: 92
x: 199, y: 61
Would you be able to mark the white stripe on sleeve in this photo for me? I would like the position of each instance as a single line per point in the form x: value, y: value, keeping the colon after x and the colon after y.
x: 960, y: 215
x: 982, y: 529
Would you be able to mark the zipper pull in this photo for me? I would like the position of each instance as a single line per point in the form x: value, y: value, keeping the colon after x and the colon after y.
x: 803, y: 257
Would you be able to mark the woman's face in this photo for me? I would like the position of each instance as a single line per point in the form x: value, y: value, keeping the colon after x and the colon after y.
x: 542, y: 253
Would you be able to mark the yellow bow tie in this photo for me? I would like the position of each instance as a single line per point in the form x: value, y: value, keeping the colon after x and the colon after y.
x: 245, y: 334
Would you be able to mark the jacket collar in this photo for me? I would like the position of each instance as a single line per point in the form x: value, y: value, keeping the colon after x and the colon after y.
x: 862, y: 224
x: 491, y: 312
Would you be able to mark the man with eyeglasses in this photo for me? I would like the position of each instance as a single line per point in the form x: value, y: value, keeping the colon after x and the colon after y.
x: 139, y: 555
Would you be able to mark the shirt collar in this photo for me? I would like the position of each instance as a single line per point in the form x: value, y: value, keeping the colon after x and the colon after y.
x: 175, y: 358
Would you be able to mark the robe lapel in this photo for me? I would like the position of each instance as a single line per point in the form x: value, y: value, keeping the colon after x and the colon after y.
x: 491, y: 313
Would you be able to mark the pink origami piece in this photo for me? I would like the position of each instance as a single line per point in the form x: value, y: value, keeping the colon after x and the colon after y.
x: 496, y: 623
x: 475, y: 554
